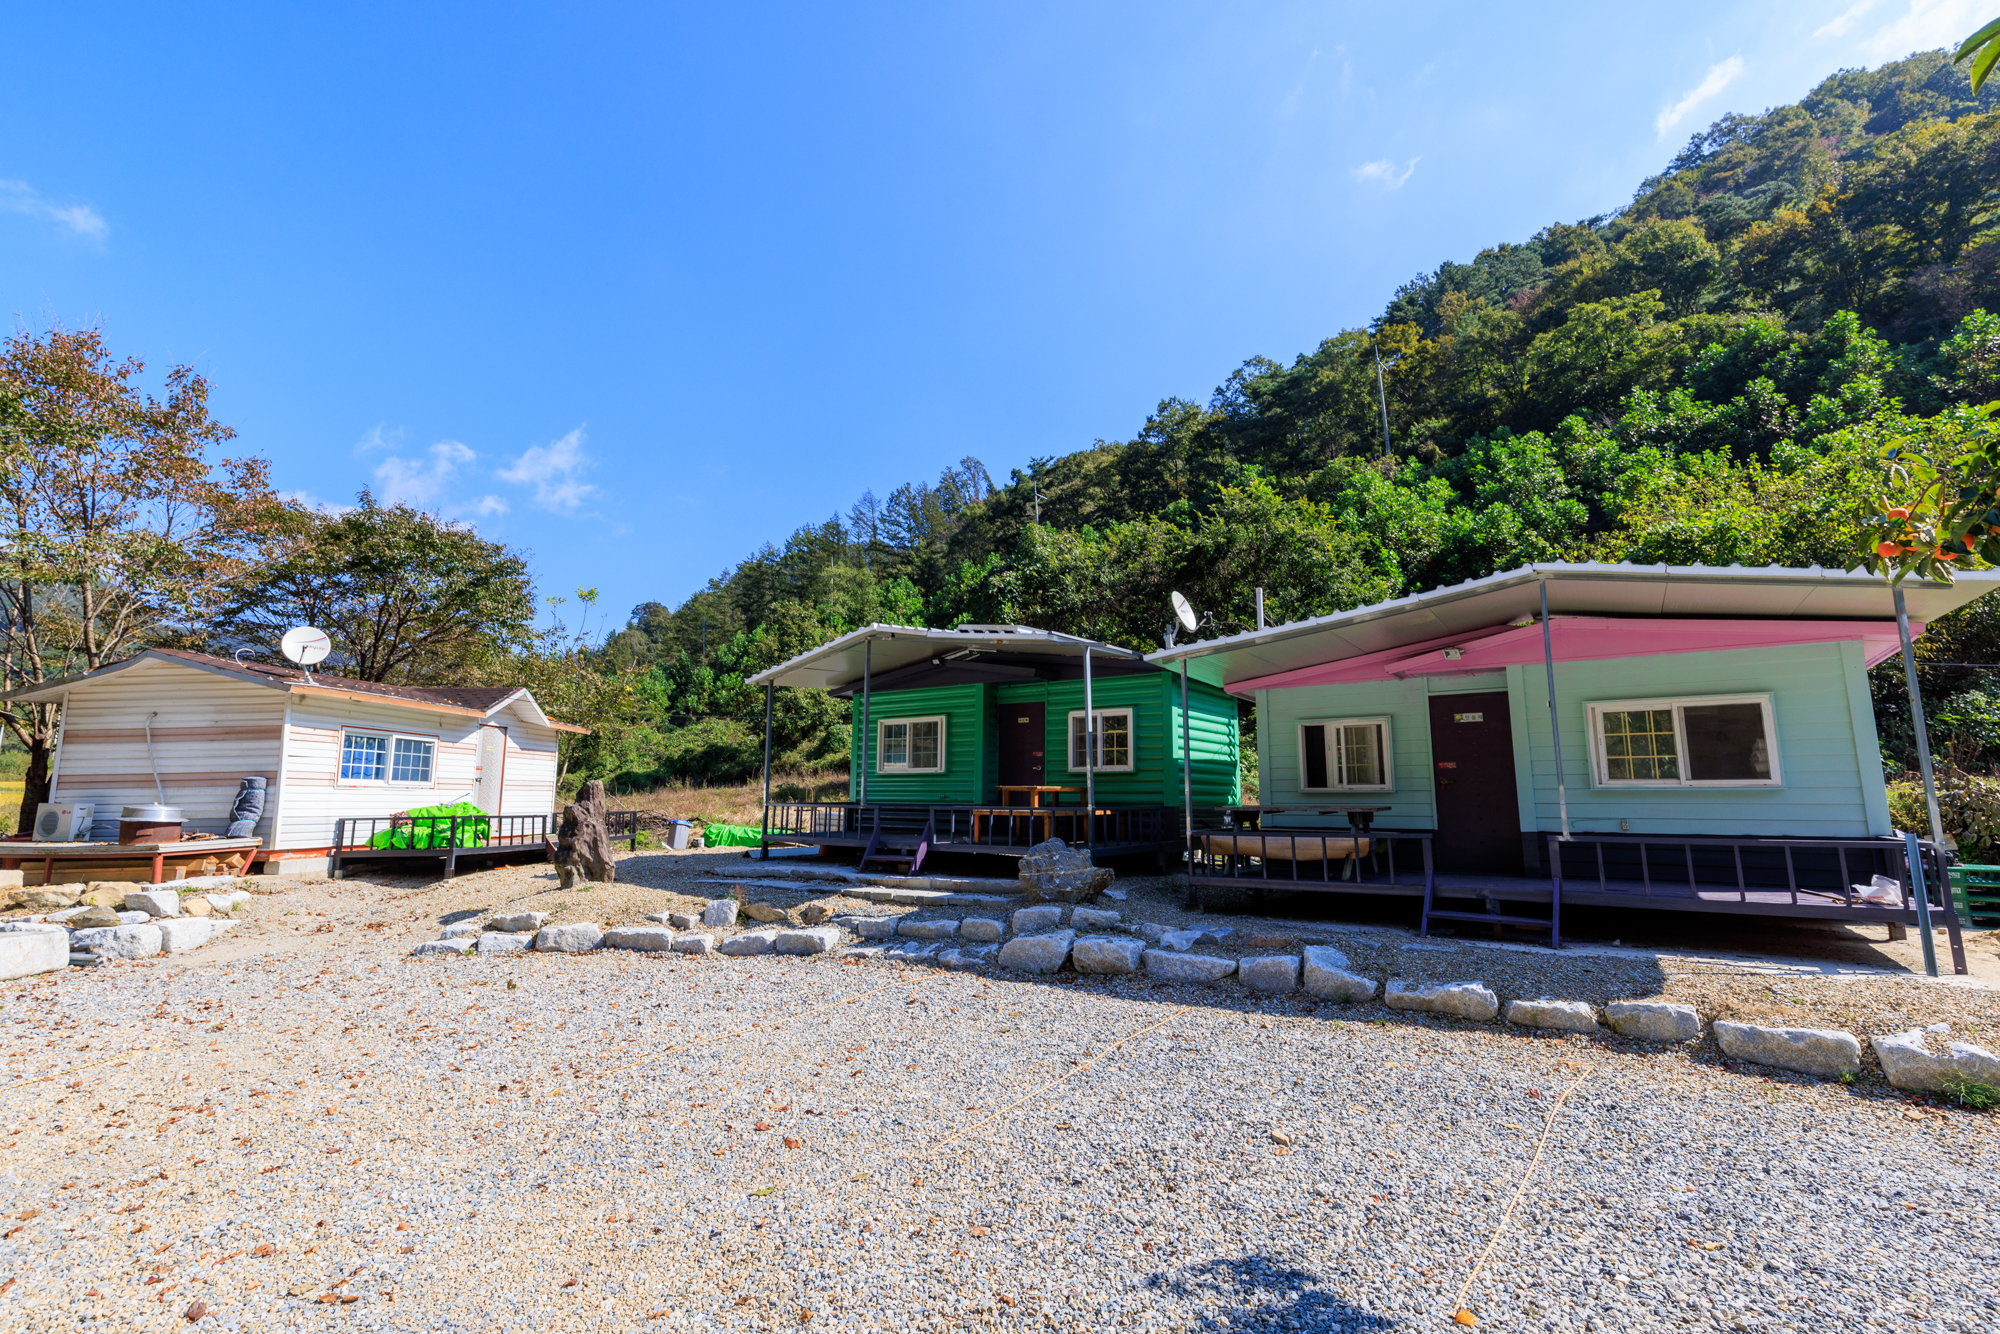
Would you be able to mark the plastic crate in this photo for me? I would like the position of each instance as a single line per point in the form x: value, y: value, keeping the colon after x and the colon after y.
x: 1975, y: 894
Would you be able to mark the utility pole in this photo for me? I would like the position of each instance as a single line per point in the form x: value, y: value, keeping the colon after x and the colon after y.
x: 1382, y: 396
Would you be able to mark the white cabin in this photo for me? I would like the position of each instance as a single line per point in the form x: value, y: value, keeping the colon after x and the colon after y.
x: 328, y: 748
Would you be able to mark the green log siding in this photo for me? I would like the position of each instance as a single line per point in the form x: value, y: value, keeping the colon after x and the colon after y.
x: 972, y: 766
x: 1827, y: 748
x: 968, y: 743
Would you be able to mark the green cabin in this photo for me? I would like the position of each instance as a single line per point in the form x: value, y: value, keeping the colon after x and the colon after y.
x: 954, y: 729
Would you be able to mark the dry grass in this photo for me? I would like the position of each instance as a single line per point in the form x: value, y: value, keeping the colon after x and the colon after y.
x: 741, y: 803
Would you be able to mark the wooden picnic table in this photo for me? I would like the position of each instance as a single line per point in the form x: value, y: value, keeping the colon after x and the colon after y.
x: 1035, y: 791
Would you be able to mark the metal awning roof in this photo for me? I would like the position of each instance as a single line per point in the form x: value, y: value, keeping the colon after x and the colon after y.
x: 1594, y: 589
x: 836, y: 665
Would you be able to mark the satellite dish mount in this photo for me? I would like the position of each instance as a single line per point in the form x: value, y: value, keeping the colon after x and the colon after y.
x: 1184, y: 615
x: 305, y: 645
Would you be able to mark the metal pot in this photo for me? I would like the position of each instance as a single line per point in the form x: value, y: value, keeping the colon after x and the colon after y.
x: 152, y: 814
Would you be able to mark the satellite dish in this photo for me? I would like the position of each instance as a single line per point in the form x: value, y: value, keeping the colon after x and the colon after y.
x: 1184, y: 610
x: 305, y: 645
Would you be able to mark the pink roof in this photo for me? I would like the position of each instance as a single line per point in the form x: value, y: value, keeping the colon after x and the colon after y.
x: 1582, y: 639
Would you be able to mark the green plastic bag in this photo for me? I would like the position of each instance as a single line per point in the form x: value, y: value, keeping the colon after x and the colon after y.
x: 732, y: 836
x: 427, y: 830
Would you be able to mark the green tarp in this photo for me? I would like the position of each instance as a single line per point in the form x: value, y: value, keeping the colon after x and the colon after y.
x: 731, y: 836
x: 425, y: 830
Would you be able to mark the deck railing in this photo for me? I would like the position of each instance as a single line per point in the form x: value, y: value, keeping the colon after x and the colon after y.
x: 1807, y: 871
x: 1002, y: 828
x: 439, y: 834
x: 1314, y: 858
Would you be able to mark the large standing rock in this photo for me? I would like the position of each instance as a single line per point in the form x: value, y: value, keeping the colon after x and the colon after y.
x: 583, y: 845
x: 1826, y: 1052
x: 1654, y: 1021
x: 29, y: 951
x: 1037, y: 954
x: 1109, y: 955
x: 1329, y: 976
x: 1460, y: 1000
x: 1054, y: 872
x: 1909, y: 1064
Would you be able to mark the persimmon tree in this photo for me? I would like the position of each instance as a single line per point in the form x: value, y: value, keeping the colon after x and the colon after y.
x: 1939, y: 511
x: 118, y: 526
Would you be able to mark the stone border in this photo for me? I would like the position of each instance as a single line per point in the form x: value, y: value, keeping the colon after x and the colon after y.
x: 1096, y: 942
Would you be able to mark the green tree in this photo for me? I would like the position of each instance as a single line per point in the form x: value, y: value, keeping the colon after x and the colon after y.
x: 408, y: 598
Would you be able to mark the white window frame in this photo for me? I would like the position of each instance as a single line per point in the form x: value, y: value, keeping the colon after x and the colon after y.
x: 388, y: 759
x: 1070, y: 740
x: 882, y: 725
x: 1599, y: 763
x: 1388, y: 783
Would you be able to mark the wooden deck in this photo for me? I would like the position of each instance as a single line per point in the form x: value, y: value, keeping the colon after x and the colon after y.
x: 1797, y: 878
x: 138, y: 862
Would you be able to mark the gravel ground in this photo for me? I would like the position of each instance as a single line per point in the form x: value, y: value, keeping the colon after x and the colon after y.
x: 607, y: 1142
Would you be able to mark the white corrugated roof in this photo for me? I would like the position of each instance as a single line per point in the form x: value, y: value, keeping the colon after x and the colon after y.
x: 838, y: 664
x: 1593, y: 588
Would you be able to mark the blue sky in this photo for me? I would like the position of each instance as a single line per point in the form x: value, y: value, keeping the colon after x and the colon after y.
x: 637, y: 289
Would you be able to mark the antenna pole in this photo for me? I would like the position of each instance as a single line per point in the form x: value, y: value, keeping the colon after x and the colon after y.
x: 1382, y: 395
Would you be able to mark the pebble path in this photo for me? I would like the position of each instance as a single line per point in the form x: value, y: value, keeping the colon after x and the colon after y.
x: 338, y: 1136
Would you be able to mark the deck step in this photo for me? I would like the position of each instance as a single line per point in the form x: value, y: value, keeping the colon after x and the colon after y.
x: 1439, y: 915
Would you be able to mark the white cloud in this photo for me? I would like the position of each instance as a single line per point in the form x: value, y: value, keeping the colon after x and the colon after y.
x: 377, y: 437
x: 307, y: 500
x: 552, y: 470
x: 1719, y: 77
x: 419, y: 482
x: 487, y: 506
x: 1839, y: 27
x: 20, y: 197
x: 1384, y: 173
x: 1927, y: 25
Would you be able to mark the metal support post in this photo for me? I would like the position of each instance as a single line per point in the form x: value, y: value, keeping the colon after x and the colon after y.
x: 1930, y: 788
x: 867, y: 666
x: 1089, y: 758
x: 1187, y: 773
x: 1555, y: 718
x: 765, y: 842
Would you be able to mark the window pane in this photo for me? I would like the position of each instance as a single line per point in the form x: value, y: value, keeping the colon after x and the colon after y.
x: 413, y: 761
x: 1361, y: 755
x: 364, y: 757
x: 924, y: 745
x: 895, y: 744
x: 1315, y: 744
x: 1114, y: 740
x: 1079, y: 744
x: 1639, y: 747
x: 1726, y: 743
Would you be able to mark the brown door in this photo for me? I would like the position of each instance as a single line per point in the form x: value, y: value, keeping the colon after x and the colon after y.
x: 1024, y: 745
x: 1472, y: 759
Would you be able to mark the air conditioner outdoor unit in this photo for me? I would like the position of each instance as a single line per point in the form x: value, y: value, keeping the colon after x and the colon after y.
x: 62, y: 822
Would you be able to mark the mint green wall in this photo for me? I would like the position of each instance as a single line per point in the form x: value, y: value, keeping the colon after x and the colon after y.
x: 1827, y: 747
x: 968, y: 739
x: 972, y: 764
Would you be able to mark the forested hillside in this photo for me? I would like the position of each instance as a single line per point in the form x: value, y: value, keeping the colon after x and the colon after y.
x: 1709, y: 375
